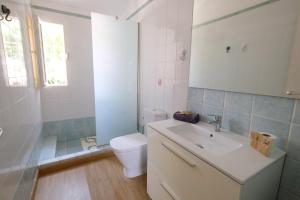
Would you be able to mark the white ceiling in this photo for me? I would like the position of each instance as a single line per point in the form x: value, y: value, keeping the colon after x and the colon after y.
x: 121, y: 8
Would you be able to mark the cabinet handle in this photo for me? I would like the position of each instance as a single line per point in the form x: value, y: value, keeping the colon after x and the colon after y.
x: 169, y: 191
x: 179, y: 154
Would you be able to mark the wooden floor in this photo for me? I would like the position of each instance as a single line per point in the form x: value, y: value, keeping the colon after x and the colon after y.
x: 97, y: 180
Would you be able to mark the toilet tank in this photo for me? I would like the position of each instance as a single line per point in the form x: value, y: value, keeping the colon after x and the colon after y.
x: 153, y: 114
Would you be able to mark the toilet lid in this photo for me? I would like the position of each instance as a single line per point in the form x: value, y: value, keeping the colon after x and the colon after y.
x: 128, y: 142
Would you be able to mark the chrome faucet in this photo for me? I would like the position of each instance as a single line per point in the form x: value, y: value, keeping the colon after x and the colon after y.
x: 217, y: 121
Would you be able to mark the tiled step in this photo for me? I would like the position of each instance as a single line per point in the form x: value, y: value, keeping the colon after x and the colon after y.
x: 49, y: 148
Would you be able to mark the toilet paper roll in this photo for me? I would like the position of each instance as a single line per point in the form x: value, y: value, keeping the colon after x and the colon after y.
x: 269, y: 135
x: 273, y: 137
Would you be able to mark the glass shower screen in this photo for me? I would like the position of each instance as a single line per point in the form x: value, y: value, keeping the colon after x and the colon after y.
x: 115, y: 59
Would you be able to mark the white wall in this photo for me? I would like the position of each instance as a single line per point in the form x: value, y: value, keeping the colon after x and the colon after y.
x: 165, y: 31
x: 77, y: 99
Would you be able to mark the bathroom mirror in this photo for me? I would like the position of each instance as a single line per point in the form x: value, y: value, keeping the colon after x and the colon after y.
x: 246, y: 46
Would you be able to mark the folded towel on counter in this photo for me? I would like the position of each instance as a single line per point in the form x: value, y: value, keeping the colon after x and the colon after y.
x: 187, y: 117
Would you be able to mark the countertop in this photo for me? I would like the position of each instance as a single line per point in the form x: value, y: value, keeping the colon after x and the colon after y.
x: 240, y: 164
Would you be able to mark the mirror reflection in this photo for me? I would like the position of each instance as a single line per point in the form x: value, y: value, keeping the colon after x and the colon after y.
x: 246, y: 47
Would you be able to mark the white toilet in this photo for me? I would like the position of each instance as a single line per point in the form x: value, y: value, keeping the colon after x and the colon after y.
x: 131, y: 149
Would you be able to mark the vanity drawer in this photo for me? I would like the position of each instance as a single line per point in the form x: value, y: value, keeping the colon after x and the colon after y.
x: 156, y: 188
x: 190, y: 177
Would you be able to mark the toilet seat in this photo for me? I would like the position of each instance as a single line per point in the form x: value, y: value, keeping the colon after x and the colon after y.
x: 128, y: 142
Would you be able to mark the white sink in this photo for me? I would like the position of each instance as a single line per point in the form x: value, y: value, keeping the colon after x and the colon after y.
x: 212, y: 142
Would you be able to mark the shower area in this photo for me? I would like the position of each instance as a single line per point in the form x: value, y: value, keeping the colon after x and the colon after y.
x: 67, y: 86
x: 89, y: 80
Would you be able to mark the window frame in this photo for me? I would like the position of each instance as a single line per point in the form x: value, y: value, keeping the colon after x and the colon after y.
x: 3, y: 54
x: 42, y: 55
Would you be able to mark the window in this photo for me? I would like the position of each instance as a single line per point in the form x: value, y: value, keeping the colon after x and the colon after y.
x: 54, y: 56
x: 14, y: 53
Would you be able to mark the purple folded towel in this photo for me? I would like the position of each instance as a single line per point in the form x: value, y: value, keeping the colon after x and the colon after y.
x: 187, y: 117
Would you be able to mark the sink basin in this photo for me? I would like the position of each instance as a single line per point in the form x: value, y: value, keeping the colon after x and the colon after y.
x: 209, y: 141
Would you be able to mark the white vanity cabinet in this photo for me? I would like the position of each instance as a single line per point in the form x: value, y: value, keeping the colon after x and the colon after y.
x: 175, y: 173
